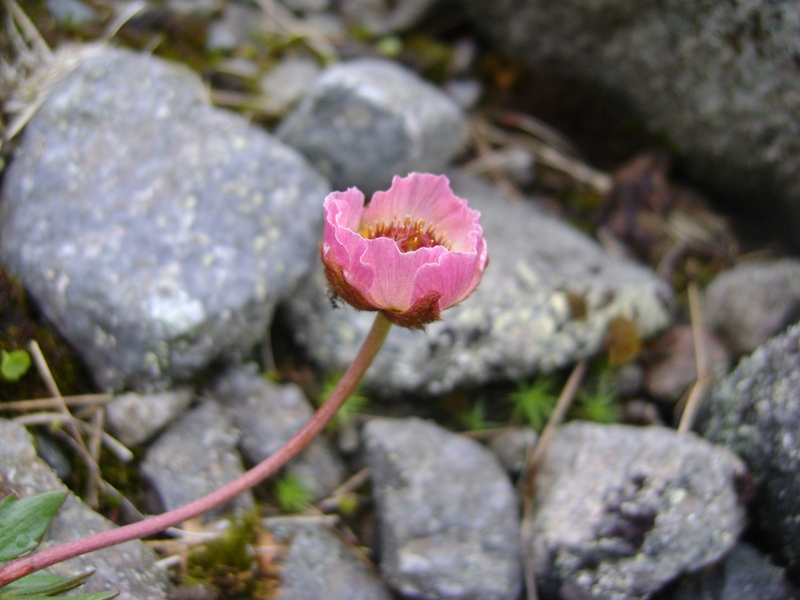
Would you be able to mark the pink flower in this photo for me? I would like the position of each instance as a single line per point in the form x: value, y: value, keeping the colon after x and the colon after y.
x: 412, y: 252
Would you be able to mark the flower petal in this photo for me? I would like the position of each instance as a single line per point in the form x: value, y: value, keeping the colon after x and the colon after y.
x: 394, y: 271
x: 427, y: 197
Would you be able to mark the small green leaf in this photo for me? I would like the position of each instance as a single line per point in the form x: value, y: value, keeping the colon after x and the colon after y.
x: 24, y: 522
x: 14, y: 365
x: 42, y: 583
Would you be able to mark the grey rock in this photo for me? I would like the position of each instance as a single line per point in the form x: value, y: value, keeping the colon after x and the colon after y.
x: 135, y: 418
x: 750, y: 303
x: 128, y: 568
x: 367, y: 120
x: 517, y: 322
x: 155, y: 231
x: 448, y: 514
x: 671, y: 366
x: 621, y: 510
x: 289, y: 81
x: 268, y: 414
x: 71, y: 12
x: 237, y: 25
x: 719, y: 80
x: 756, y: 412
x: 318, y: 564
x: 744, y: 574
x: 307, y: 6
x: 512, y: 446
x: 196, y: 9
x: 53, y: 455
x: 193, y: 457
x: 380, y: 17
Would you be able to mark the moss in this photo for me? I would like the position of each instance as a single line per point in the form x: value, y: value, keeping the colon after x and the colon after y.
x: 18, y: 326
x: 231, y: 564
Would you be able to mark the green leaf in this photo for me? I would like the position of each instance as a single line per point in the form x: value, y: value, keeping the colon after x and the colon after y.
x: 14, y: 365
x: 42, y: 583
x: 24, y: 522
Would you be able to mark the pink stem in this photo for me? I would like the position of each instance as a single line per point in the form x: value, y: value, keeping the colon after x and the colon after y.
x: 347, y: 384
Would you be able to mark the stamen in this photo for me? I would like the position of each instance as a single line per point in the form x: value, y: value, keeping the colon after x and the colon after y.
x: 409, y: 235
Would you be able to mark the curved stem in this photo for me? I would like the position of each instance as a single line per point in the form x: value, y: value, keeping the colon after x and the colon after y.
x: 347, y: 384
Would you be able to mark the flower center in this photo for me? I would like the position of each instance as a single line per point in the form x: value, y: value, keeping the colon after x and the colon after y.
x: 409, y: 235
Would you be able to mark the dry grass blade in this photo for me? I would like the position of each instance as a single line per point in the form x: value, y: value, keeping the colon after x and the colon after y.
x: 538, y: 129
x: 351, y: 484
x: 487, y: 160
x: 54, y: 403
x: 34, y: 39
x: 281, y: 21
x: 547, y: 155
x: 704, y: 377
x: 46, y: 418
x: 532, y: 462
x: 47, y: 376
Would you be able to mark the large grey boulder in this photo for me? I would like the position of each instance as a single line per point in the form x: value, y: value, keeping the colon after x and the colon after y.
x: 447, y: 513
x: 621, y: 510
x: 756, y: 412
x: 128, y: 568
x: 155, y: 231
x: 546, y: 300
x: 367, y: 120
x: 719, y: 80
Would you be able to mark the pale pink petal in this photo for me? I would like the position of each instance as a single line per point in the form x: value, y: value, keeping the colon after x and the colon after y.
x: 393, y: 285
x: 347, y: 208
x: 453, y: 277
x: 342, y: 215
x: 427, y: 197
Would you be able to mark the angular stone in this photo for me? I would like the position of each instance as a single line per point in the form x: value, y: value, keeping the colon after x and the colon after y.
x: 546, y: 300
x: 156, y: 231
x: 755, y: 411
x: 365, y: 121
x: 268, y: 415
x: 135, y: 418
x: 750, y: 303
x: 128, y: 568
x: 195, y: 456
x: 621, y: 510
x: 318, y: 564
x: 448, y: 513
x: 744, y: 574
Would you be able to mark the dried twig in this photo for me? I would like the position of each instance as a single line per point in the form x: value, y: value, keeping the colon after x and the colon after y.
x: 704, y: 376
x: 528, y: 476
x: 352, y: 483
x: 54, y: 403
x: 47, y: 418
x: 52, y: 387
x: 551, y: 157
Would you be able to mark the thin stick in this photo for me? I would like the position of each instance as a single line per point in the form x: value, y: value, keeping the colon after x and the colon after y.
x: 353, y: 482
x: 52, y: 387
x: 314, y: 426
x: 704, y: 377
x: 528, y: 476
x: 45, y: 418
x: 80, y: 400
